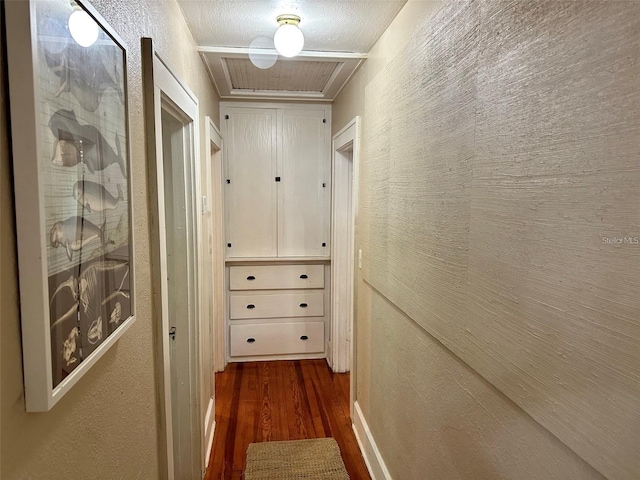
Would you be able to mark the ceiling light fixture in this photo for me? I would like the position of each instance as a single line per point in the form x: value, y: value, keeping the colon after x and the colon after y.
x: 82, y: 27
x: 288, y: 39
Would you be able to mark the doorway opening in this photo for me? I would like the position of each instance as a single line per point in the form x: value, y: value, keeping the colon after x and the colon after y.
x: 212, y: 325
x: 346, y: 154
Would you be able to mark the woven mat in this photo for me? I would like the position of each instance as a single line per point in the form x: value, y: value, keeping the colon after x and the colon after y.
x: 300, y: 459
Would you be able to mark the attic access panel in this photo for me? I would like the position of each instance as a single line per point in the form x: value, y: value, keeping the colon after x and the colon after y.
x: 310, y: 76
x: 284, y: 76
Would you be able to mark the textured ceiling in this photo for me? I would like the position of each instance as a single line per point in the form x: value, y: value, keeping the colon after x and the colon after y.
x: 328, y: 25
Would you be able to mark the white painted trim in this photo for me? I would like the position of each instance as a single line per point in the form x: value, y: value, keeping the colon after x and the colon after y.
x: 169, y: 92
x: 196, y: 355
x: 355, y: 206
x: 243, y: 52
x: 269, y: 97
x: 215, y: 59
x: 235, y: 260
x: 344, y: 206
x: 208, y: 420
x: 210, y: 346
x: 355, y: 121
x: 329, y: 87
x: 213, y: 133
x: 372, y: 457
x: 292, y: 356
x: 246, y: 93
x: 225, y: 105
x: 213, y: 137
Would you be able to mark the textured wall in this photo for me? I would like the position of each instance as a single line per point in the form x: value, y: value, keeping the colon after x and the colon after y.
x: 500, y: 146
x: 107, y: 426
x: 350, y: 101
x: 452, y: 424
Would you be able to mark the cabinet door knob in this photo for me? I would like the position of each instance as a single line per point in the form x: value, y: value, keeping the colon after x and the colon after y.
x: 251, y: 306
x: 304, y: 337
x: 251, y: 277
x: 303, y: 305
x: 251, y: 340
x: 303, y: 276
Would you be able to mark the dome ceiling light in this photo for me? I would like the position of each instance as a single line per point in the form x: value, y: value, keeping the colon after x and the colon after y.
x: 288, y: 39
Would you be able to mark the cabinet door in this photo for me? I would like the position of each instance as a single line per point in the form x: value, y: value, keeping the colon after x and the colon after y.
x: 251, y: 198
x: 303, y: 165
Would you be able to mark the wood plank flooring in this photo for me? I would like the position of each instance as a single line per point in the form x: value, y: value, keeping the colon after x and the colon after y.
x: 283, y: 400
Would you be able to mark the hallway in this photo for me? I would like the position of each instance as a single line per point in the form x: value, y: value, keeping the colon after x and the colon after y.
x: 280, y: 400
x: 439, y: 197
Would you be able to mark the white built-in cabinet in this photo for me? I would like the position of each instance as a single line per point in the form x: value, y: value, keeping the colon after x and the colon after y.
x: 250, y: 193
x: 278, y: 229
x: 278, y: 192
x: 304, y: 165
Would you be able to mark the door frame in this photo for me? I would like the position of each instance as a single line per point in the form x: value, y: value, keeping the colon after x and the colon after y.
x: 343, y: 262
x: 213, y: 137
x: 161, y: 85
x: 213, y: 207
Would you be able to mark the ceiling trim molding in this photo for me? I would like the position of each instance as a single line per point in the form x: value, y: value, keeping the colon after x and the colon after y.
x: 244, y: 93
x: 242, y: 52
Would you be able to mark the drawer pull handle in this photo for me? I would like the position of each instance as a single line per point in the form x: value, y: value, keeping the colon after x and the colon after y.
x: 251, y: 277
x: 251, y: 306
x: 251, y: 340
x: 303, y: 276
x: 303, y: 305
x: 304, y: 337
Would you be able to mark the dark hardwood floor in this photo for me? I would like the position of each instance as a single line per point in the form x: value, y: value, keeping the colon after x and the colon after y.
x: 282, y: 400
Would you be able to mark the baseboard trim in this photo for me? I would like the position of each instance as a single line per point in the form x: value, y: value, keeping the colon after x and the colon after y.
x: 375, y: 464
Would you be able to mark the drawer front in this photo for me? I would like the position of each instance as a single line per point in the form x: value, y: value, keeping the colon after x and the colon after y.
x: 276, y: 339
x: 277, y: 305
x: 276, y: 277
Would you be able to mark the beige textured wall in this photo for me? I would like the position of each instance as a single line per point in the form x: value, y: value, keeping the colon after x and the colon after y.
x: 430, y: 412
x: 500, y: 145
x: 107, y: 426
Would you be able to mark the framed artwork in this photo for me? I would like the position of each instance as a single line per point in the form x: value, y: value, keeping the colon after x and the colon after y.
x: 70, y: 137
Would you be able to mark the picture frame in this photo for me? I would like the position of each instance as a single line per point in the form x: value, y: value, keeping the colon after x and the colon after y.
x: 72, y: 177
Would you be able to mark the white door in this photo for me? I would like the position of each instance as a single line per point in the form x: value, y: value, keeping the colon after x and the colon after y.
x: 250, y: 158
x: 304, y: 164
x: 181, y: 280
x: 173, y: 141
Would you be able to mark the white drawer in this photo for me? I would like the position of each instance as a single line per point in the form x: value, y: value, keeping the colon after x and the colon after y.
x: 276, y: 339
x: 276, y: 305
x: 276, y: 277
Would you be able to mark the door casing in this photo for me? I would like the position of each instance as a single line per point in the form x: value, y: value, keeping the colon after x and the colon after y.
x: 344, y: 262
x: 163, y: 89
x: 212, y: 320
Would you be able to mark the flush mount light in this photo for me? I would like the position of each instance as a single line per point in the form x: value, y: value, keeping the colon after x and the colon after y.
x: 288, y: 39
x: 82, y: 27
